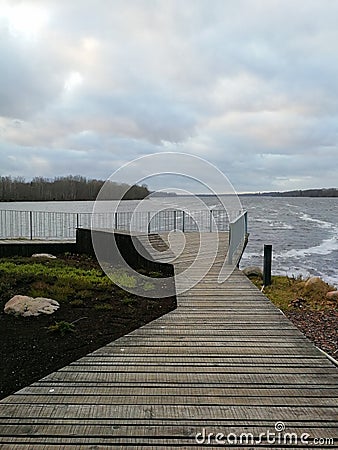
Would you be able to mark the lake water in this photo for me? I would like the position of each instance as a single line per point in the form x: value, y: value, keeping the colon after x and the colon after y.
x: 302, y: 231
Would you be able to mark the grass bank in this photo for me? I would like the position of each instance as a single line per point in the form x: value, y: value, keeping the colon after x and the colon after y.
x: 307, y: 306
x: 284, y: 293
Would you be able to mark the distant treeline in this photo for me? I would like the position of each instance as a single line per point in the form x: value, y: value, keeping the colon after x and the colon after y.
x: 65, y: 188
x: 332, y: 192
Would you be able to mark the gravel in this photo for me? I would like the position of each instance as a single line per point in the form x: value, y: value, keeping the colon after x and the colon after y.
x: 319, y: 326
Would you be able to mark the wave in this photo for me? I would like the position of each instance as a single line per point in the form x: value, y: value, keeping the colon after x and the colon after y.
x: 276, y: 224
x: 249, y: 255
x: 282, y: 226
x: 330, y: 279
x: 301, y: 272
x: 320, y: 223
x: 326, y: 247
x: 295, y: 272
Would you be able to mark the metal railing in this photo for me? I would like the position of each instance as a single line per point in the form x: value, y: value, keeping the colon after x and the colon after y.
x: 62, y: 225
x: 238, y: 232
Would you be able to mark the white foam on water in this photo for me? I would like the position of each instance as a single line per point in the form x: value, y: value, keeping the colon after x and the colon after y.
x: 263, y: 220
x: 297, y: 272
x: 326, y: 247
x: 309, y: 228
x: 304, y: 274
x: 249, y: 255
x: 320, y: 223
x: 330, y: 279
x: 281, y: 226
x: 276, y: 224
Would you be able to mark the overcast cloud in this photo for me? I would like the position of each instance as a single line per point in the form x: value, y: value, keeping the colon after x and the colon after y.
x: 250, y: 85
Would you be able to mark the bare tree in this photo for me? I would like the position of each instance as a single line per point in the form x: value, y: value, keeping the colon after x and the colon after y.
x: 64, y: 188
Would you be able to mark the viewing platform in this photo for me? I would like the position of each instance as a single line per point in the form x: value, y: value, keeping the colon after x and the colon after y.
x: 225, y: 369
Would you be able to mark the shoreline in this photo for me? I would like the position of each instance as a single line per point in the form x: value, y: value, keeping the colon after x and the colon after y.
x: 305, y: 276
x: 306, y: 304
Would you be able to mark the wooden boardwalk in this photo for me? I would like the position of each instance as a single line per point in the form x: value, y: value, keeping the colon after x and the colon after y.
x: 225, y: 361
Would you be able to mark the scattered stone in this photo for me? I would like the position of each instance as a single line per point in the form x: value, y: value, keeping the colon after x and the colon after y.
x: 43, y: 255
x: 253, y: 271
x: 319, y: 326
x: 297, y: 303
x: 332, y: 295
x: 22, y: 305
x: 314, y: 281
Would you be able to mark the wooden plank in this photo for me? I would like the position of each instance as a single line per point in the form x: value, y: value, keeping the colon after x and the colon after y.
x: 208, y: 351
x: 152, y: 431
x: 88, y: 368
x: 207, y: 362
x: 188, y: 377
x: 173, y: 412
x: 217, y: 390
x: 158, y: 423
x: 178, y: 400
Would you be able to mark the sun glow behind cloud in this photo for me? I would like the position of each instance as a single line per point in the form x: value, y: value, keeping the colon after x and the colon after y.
x: 25, y: 20
x: 73, y: 80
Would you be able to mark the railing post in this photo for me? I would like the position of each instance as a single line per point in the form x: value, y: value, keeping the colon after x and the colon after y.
x: 115, y: 221
x: 230, y: 246
x: 267, y: 265
x: 77, y: 220
x: 183, y: 221
x: 175, y: 220
x: 210, y: 221
x: 31, y: 225
x: 149, y: 218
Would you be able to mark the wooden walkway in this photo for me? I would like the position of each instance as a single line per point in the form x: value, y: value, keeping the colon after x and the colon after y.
x: 226, y: 360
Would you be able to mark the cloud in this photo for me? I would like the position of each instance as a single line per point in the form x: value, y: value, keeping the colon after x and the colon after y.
x: 249, y: 85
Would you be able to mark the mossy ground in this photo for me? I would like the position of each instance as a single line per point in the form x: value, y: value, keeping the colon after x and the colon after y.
x: 284, y: 291
x: 308, y: 308
x: 71, y: 278
x: 93, y: 312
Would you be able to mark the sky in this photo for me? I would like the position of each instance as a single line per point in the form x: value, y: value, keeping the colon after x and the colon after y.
x: 249, y: 85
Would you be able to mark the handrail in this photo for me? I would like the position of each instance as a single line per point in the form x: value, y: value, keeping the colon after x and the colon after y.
x: 16, y: 224
x: 238, y: 231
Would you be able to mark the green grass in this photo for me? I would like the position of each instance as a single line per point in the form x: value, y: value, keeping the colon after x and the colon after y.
x: 62, y: 327
x: 284, y: 290
x: 130, y: 301
x: 77, y: 303
x: 103, y: 306
x: 62, y: 280
x: 122, y: 279
x: 148, y: 286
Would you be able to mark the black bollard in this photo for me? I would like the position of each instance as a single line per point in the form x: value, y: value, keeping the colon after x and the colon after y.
x: 267, y: 265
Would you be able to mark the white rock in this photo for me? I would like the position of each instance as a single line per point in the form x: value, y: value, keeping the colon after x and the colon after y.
x: 21, y: 305
x: 43, y: 255
x: 313, y: 281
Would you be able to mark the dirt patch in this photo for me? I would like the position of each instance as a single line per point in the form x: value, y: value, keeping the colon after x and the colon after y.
x: 30, y: 350
x: 319, y: 326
